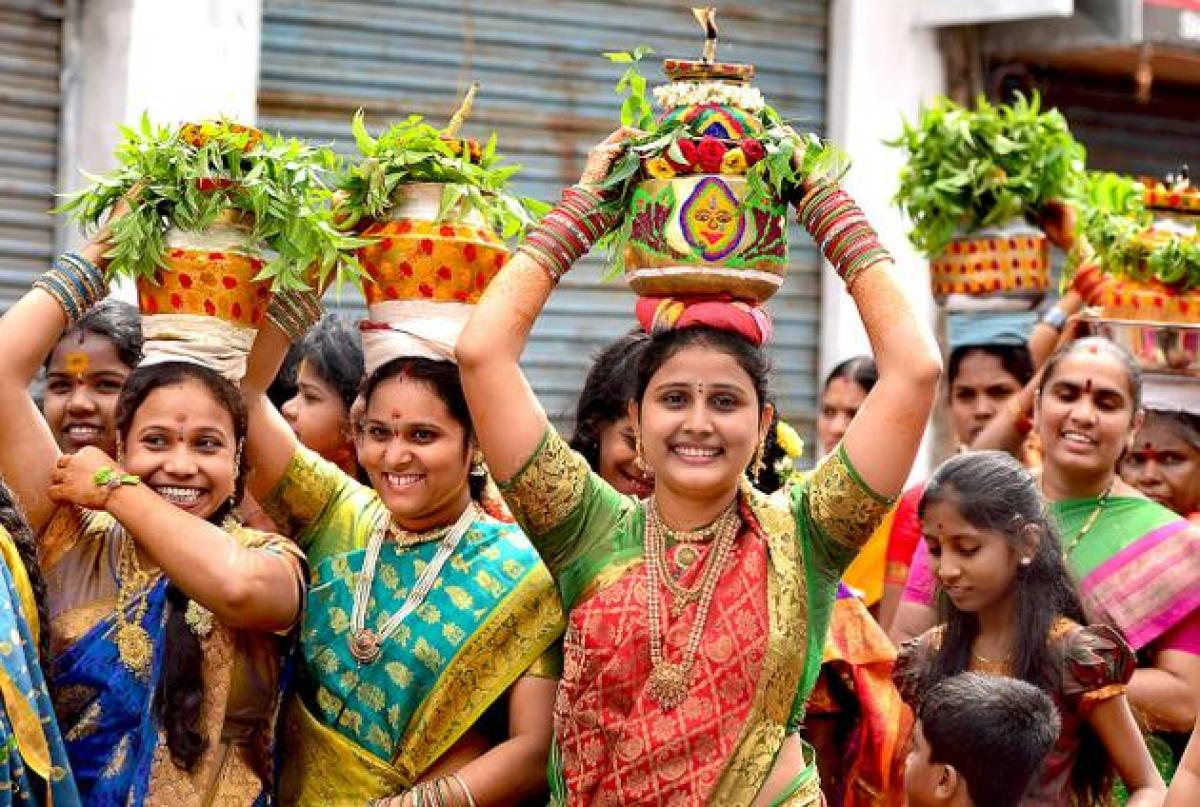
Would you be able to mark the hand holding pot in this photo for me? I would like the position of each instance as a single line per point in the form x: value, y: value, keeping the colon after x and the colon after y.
x: 1057, y: 221
x: 97, y: 247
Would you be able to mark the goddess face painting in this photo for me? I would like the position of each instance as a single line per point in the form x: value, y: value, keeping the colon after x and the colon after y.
x: 711, y: 219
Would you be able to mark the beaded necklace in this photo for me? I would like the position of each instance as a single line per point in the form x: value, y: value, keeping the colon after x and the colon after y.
x: 1092, y: 518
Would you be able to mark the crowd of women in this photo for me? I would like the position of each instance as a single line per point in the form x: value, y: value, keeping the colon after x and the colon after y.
x: 403, y: 586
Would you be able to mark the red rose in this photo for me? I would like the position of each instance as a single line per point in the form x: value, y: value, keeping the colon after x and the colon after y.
x: 753, y: 150
x: 691, y: 156
x: 712, y: 151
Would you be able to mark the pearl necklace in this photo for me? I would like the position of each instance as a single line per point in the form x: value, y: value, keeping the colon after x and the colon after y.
x: 669, y: 683
x: 365, y: 644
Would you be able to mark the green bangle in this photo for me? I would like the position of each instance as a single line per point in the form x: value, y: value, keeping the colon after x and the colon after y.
x: 109, y: 477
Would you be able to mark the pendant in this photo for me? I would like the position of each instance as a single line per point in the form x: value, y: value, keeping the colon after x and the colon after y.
x: 364, y: 646
x: 133, y: 646
x: 685, y: 556
x: 668, y: 685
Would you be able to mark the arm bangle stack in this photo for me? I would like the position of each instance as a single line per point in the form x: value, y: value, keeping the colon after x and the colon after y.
x: 568, y: 231
x: 841, y: 230
x: 294, y: 312
x: 75, y: 283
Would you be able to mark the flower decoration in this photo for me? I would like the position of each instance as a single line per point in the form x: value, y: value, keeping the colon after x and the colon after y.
x: 734, y: 162
x: 711, y: 152
x: 660, y: 168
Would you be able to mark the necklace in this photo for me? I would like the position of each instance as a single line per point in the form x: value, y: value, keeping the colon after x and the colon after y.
x: 133, y: 642
x: 1092, y: 518
x: 686, y: 555
x: 669, y: 681
x: 365, y: 644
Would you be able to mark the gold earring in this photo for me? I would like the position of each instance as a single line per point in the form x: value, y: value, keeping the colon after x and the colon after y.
x: 758, y: 464
x: 639, y: 460
x: 120, y: 450
x: 478, y: 464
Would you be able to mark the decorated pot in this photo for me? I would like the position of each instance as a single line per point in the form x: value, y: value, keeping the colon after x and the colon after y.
x: 1009, y: 264
x: 417, y: 257
x: 698, y: 235
x: 1159, y: 347
x: 209, y: 274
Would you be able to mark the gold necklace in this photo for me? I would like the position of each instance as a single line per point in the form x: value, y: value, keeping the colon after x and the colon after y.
x: 366, y: 644
x: 133, y: 642
x: 682, y: 596
x: 668, y: 684
x: 1092, y: 518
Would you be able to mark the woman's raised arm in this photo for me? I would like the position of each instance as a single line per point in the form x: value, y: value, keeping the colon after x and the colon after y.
x: 509, y: 421
x: 270, y: 442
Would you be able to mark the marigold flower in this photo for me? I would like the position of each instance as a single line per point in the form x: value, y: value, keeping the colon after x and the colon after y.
x: 660, y: 168
x: 789, y: 440
x: 734, y: 162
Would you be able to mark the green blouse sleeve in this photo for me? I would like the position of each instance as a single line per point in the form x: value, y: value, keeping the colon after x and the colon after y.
x: 577, y: 521
x: 316, y: 503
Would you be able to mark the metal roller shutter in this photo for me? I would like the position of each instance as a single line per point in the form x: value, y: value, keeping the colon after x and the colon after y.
x: 548, y: 92
x: 30, y: 45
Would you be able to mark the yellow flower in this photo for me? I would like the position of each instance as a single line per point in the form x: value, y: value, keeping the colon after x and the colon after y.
x: 734, y: 162
x: 659, y: 168
x: 791, y: 442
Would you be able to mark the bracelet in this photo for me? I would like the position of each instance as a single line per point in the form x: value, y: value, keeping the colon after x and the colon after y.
x: 294, y: 312
x: 75, y: 284
x: 1055, y: 317
x: 108, y: 477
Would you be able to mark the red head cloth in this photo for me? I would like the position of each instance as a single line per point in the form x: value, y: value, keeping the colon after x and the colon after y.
x: 667, y: 313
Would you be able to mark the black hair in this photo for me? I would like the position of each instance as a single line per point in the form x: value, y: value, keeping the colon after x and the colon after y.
x: 179, y: 698
x: 1016, y: 360
x: 442, y: 378
x: 283, y: 385
x: 859, y: 369
x: 115, y: 320
x: 1184, y: 424
x: 994, y: 731
x: 13, y: 522
x: 611, y: 384
x: 1098, y: 344
x: 994, y: 493
x: 333, y: 349
x: 665, y: 344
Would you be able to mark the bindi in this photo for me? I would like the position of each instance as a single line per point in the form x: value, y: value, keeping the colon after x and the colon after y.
x: 77, y: 363
x: 1087, y: 387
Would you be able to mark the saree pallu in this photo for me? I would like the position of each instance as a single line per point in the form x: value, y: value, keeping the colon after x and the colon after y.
x: 33, y: 761
x: 1138, y: 567
x: 356, y: 732
x: 759, y: 652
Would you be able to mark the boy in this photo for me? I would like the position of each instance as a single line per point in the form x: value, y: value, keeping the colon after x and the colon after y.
x: 978, y: 742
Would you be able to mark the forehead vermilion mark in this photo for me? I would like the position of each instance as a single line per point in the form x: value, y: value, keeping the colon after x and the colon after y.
x: 77, y: 363
x: 1087, y: 384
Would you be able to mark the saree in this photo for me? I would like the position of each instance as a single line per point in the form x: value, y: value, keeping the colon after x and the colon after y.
x: 117, y: 749
x: 33, y: 760
x: 353, y: 731
x: 759, y: 652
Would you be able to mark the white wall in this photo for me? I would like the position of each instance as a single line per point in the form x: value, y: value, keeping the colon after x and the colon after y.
x: 881, y: 67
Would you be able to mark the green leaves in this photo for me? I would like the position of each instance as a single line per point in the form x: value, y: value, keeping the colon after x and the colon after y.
x: 636, y: 110
x: 189, y: 181
x: 414, y: 151
x: 974, y: 168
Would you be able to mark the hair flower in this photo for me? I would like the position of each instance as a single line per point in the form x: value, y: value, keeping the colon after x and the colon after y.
x: 789, y: 439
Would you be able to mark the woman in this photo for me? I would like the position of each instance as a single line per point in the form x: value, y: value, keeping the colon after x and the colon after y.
x: 643, y: 716
x: 1137, y: 563
x: 1163, y: 461
x: 84, y: 374
x: 165, y: 626
x: 1012, y: 609
x: 328, y: 378
x: 426, y: 665
x: 842, y: 395
x: 603, y: 433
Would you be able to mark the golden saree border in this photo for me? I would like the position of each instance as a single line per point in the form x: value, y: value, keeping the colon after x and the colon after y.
x: 843, y: 505
x: 323, y: 767
x: 787, y: 604
x: 517, y: 632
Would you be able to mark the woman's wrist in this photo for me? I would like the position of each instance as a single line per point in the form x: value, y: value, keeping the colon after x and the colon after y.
x: 568, y: 231
x: 840, y: 229
x: 75, y: 283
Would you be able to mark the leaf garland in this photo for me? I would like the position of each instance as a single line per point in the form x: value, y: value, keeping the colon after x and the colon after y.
x: 775, y: 176
x: 188, y: 180
x: 1116, y: 227
x: 414, y: 151
x: 969, y: 169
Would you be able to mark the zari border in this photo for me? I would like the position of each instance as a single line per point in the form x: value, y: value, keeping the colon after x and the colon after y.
x: 515, y: 634
x: 787, y: 604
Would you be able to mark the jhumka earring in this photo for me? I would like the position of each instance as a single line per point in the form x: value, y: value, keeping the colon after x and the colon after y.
x: 639, y: 460
x: 758, y: 464
x: 478, y: 464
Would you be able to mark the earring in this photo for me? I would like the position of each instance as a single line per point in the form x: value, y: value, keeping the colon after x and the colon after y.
x: 639, y: 460
x: 1026, y: 561
x: 478, y: 465
x: 120, y: 450
x: 758, y: 464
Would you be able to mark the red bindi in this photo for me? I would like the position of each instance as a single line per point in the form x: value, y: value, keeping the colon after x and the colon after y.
x: 1087, y: 386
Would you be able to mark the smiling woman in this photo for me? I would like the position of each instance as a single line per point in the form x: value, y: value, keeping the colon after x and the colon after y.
x: 166, y: 620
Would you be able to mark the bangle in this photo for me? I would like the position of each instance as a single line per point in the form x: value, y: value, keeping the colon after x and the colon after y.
x: 568, y: 231
x: 466, y: 790
x: 294, y: 312
x: 841, y: 230
x: 74, y: 282
x: 1055, y: 317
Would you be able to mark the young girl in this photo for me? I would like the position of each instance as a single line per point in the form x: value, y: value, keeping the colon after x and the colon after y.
x: 1007, y: 606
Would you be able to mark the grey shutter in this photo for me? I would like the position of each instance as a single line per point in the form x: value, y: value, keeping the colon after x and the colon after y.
x: 30, y: 46
x: 548, y: 92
